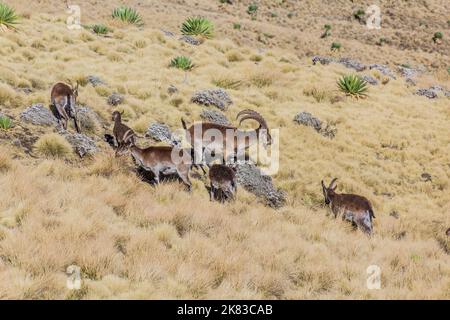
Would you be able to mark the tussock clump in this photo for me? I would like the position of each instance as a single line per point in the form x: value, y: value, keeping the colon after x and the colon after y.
x: 53, y: 145
x: 6, y: 162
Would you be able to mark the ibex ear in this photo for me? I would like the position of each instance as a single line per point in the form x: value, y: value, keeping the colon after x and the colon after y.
x: 122, y: 112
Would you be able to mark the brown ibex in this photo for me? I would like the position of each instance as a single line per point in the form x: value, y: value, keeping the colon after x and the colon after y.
x: 223, y: 184
x: 241, y: 139
x: 353, y: 208
x: 63, y: 100
x: 124, y: 135
x: 158, y: 160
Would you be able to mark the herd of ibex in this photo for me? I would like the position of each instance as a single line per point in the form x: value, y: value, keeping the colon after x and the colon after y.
x: 159, y: 160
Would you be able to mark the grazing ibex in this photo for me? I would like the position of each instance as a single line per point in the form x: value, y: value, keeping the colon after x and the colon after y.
x: 158, y: 160
x: 63, y: 99
x: 240, y: 139
x: 223, y: 184
x: 354, y: 208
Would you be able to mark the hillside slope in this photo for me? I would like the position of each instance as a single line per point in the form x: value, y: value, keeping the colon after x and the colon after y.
x: 133, y: 240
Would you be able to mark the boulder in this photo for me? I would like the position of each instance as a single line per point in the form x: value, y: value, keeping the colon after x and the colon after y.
x: 353, y: 64
x: 216, y: 97
x: 161, y: 132
x: 38, y: 114
x: 250, y: 177
x: 214, y: 117
x: 430, y: 94
x: 307, y: 119
x: 322, y: 60
x: 81, y: 143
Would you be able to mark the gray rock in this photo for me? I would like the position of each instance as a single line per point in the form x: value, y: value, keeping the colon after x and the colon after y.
x: 430, y: 94
x: 38, y: 114
x: 217, y: 97
x: 191, y: 40
x: 370, y: 79
x: 95, y: 81
x: 172, y: 89
x: 437, y: 88
x: 383, y: 69
x: 168, y: 33
x: 353, y: 64
x: 322, y: 60
x: 307, y: 119
x: 410, y: 82
x: 250, y: 177
x: 161, y: 132
x: 408, y: 72
x: 115, y: 99
x: 214, y: 117
x: 82, y: 144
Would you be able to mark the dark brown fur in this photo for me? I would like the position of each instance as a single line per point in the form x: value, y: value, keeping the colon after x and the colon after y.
x: 352, y: 207
x: 123, y: 134
x: 222, y: 182
x: 63, y: 100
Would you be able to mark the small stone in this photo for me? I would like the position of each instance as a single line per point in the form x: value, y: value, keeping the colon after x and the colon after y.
x: 216, y: 97
x: 191, y: 40
x: 370, y: 79
x: 172, y: 89
x: 322, y: 60
x: 307, y: 119
x: 95, y: 81
x: 214, y: 117
x: 426, y: 177
x: 115, y: 99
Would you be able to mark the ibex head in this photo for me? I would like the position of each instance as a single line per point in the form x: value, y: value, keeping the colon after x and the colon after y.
x: 253, y: 115
x: 117, y: 115
x: 327, y: 192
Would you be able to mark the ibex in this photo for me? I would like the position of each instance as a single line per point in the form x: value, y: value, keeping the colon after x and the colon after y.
x: 354, y: 208
x: 158, y: 160
x: 63, y: 99
x: 223, y: 184
x: 240, y: 138
x: 124, y: 135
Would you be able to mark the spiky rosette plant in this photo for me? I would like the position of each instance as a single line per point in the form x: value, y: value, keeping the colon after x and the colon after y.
x: 182, y: 62
x: 198, y: 26
x: 128, y: 15
x: 353, y: 86
x: 8, y: 18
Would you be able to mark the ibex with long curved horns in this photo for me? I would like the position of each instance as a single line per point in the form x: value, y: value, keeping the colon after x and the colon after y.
x: 233, y: 140
x: 63, y: 99
x: 353, y: 208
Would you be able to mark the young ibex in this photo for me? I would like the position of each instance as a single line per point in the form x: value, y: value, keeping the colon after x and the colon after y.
x: 63, y: 99
x: 158, y: 160
x: 354, y: 208
x: 240, y: 141
x: 124, y: 135
x: 223, y: 184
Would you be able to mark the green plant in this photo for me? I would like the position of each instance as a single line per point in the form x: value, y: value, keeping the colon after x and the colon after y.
x: 252, y: 8
x: 237, y: 26
x: 127, y: 14
x: 5, y: 123
x: 182, y: 62
x: 359, y: 14
x: 438, y: 36
x: 381, y: 41
x: 100, y: 29
x: 353, y: 85
x: 336, y: 46
x: 326, y: 33
x: 8, y: 18
x: 448, y: 70
x: 198, y: 26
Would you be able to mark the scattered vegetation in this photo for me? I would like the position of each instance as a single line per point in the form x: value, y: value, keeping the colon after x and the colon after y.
x: 438, y: 36
x: 52, y: 145
x: 198, y: 26
x: 8, y: 18
x: 100, y: 29
x: 381, y: 41
x: 359, y: 15
x: 353, y: 86
x: 252, y: 9
x: 236, y: 26
x: 227, y: 83
x: 336, y: 46
x: 5, y: 123
x: 128, y: 15
x: 326, y: 33
x: 182, y: 62
x: 318, y: 94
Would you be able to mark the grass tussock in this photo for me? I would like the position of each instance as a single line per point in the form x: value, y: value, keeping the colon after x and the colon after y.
x: 53, y: 145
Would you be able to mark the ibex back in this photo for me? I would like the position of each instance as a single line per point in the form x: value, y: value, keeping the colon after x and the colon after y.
x: 63, y: 99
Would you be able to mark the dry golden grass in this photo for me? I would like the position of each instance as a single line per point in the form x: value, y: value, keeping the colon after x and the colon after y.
x: 132, y: 240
